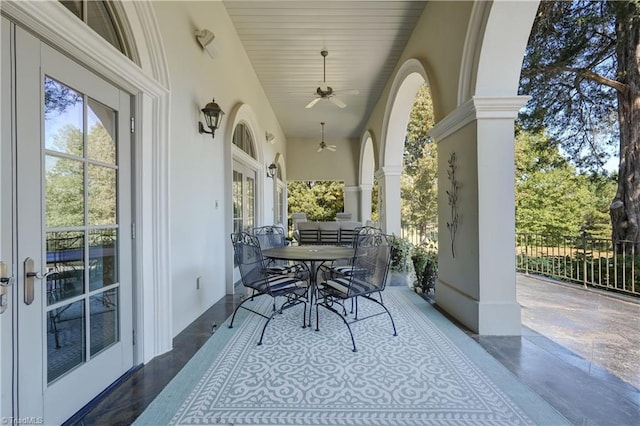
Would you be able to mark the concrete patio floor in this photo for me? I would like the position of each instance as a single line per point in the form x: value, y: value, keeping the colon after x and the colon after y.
x: 603, y: 328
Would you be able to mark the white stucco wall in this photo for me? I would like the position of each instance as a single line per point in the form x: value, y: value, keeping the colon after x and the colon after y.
x: 198, y: 163
x: 437, y: 43
x: 305, y: 163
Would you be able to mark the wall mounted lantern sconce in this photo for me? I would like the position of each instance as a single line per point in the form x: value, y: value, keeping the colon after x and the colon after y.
x: 270, y: 137
x: 205, y: 38
x: 212, y: 116
x: 271, y: 170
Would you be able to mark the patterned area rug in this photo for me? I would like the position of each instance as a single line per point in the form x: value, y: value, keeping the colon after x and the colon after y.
x: 431, y: 373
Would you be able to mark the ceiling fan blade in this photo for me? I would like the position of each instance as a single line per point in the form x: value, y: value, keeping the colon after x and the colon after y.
x: 313, y: 102
x: 331, y: 147
x: 337, y: 101
x: 349, y: 92
x: 319, y: 149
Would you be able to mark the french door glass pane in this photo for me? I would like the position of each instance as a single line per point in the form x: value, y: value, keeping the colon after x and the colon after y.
x: 237, y: 202
x: 103, y: 258
x: 65, y: 339
x: 101, y: 189
x: 63, y: 118
x: 65, y: 255
x: 103, y: 320
x: 64, y: 192
x: 249, y: 203
x: 101, y: 129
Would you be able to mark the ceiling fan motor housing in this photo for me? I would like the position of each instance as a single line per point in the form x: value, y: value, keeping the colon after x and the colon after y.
x: 324, y: 93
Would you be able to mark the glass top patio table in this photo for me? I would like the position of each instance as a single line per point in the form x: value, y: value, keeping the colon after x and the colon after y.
x: 309, y: 253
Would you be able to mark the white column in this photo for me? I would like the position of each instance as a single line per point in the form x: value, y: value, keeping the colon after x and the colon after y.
x: 366, y: 192
x: 351, y: 196
x: 389, y: 187
x: 476, y: 266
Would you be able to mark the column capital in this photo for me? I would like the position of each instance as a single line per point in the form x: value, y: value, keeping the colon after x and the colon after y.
x: 388, y: 171
x: 478, y: 108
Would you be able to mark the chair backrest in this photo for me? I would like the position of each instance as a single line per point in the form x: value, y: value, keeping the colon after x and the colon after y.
x: 372, y: 259
x: 248, y: 254
x: 329, y: 232
x: 348, y: 231
x: 269, y: 236
x: 308, y: 233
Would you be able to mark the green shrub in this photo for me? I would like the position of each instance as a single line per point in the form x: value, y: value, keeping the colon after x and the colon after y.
x: 400, y: 252
x: 425, y: 263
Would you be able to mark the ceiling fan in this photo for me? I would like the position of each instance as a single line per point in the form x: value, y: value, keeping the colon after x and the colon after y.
x: 323, y: 145
x: 324, y: 91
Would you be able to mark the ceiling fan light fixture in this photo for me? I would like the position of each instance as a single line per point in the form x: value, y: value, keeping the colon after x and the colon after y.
x: 324, y: 91
x: 323, y: 145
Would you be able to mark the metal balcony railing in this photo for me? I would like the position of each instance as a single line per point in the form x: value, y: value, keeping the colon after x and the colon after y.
x: 587, y: 261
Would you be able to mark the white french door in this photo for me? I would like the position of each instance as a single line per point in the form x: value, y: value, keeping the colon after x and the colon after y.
x: 73, y: 233
x: 244, y: 197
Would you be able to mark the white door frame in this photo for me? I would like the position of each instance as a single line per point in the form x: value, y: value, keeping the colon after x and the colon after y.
x: 150, y: 83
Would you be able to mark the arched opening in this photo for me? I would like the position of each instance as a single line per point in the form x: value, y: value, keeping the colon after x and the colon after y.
x: 406, y: 83
x: 366, y: 179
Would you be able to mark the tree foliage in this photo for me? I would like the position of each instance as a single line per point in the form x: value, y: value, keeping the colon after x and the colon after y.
x: 551, y: 197
x: 582, y: 68
x: 65, y: 186
x: 320, y: 200
x: 569, y: 70
x: 419, y: 189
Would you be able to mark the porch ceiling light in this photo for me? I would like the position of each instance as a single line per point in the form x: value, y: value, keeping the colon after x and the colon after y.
x: 270, y: 137
x: 212, y: 116
x: 205, y: 38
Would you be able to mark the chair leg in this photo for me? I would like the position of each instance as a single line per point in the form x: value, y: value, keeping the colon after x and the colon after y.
x: 344, y: 320
x: 235, y: 311
x: 379, y: 302
x: 264, y: 328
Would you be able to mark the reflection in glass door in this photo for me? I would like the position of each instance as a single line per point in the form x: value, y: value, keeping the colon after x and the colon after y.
x: 81, y: 228
x: 244, y: 198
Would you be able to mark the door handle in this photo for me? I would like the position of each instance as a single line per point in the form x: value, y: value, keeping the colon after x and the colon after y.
x: 29, y: 279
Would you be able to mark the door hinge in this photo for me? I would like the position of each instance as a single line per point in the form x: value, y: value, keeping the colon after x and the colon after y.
x: 133, y: 231
x: 133, y: 337
x: 133, y: 124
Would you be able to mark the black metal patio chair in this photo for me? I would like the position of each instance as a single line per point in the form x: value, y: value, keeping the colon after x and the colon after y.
x: 272, y: 236
x: 367, y: 279
x: 255, y: 277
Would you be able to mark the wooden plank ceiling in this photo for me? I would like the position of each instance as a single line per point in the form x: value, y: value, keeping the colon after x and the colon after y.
x: 283, y: 40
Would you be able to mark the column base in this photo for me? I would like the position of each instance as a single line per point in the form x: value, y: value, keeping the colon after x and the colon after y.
x: 499, y: 318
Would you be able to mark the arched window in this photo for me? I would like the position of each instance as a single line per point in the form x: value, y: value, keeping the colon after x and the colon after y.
x: 102, y: 18
x: 243, y: 140
x: 244, y: 180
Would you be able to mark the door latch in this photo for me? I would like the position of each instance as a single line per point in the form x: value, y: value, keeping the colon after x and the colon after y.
x: 29, y: 279
x: 6, y: 280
